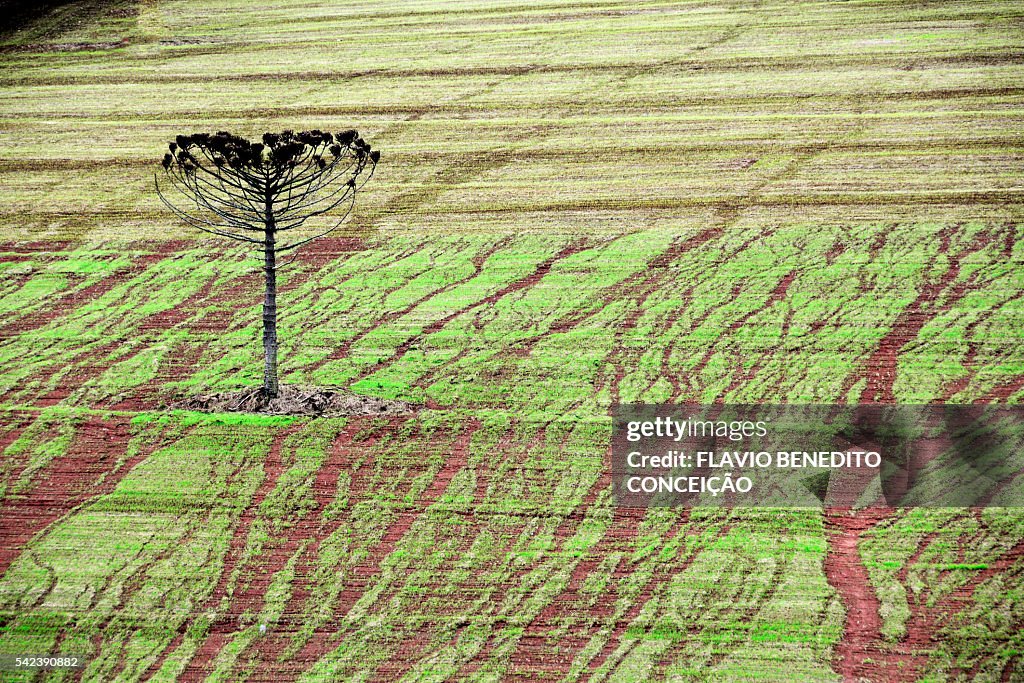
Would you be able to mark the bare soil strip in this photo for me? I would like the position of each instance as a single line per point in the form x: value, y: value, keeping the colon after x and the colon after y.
x: 880, y: 367
x: 265, y: 653
x: 201, y: 663
x: 863, y: 654
x: 88, y: 470
x: 361, y: 577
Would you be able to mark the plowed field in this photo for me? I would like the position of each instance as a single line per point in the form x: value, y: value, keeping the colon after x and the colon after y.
x: 579, y: 203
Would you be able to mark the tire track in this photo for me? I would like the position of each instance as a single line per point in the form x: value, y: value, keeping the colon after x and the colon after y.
x: 533, y: 657
x: 565, y: 531
x: 477, y: 261
x: 667, y: 573
x: 67, y: 304
x: 973, y: 348
x: 343, y: 457
x: 776, y: 295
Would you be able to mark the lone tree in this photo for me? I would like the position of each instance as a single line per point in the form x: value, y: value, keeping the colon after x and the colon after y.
x: 253, y: 192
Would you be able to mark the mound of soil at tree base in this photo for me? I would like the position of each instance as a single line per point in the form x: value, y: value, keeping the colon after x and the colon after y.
x: 294, y: 400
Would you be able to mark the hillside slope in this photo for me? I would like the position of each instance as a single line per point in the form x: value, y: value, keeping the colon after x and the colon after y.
x: 579, y: 203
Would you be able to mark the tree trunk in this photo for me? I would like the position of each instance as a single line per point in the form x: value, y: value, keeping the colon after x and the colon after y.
x: 270, y: 307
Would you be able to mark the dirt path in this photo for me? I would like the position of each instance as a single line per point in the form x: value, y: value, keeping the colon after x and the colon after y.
x: 862, y: 654
x: 846, y: 573
x: 880, y: 367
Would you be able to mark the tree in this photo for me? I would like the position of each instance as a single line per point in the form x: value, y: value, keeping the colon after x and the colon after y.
x: 253, y: 192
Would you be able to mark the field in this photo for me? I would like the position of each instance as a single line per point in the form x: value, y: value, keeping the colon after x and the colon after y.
x: 579, y: 203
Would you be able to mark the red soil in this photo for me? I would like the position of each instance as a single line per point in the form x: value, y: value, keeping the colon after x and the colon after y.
x: 660, y: 577
x: 71, y: 301
x: 244, y: 291
x: 88, y: 470
x: 970, y: 359
x: 721, y: 652
x: 776, y: 295
x: 359, y: 578
x: 89, y: 460
x: 129, y: 588
x: 963, y: 596
x: 744, y: 376
x: 566, y: 530
x: 87, y: 365
x: 1004, y: 392
x: 666, y: 367
x: 310, y: 528
x: 201, y: 664
x: 319, y: 253
x: 880, y: 367
x: 523, y: 283
x: 181, y: 362
x: 535, y: 655
x: 342, y: 457
x: 879, y: 242
x: 412, y: 649
x: 394, y: 669
x: 641, y: 292
x: 862, y: 654
x: 848, y: 576
x: 637, y: 287
x: 907, y: 660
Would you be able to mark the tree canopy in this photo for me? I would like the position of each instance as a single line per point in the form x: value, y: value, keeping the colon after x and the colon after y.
x: 234, y: 186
